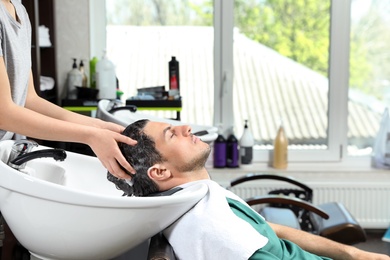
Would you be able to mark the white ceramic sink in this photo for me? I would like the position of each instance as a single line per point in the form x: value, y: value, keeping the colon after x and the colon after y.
x: 125, y: 117
x: 69, y: 210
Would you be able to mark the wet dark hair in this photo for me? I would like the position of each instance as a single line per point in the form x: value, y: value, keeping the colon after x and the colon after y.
x: 141, y: 157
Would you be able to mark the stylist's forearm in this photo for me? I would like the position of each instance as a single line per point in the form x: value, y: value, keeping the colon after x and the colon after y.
x: 47, y: 108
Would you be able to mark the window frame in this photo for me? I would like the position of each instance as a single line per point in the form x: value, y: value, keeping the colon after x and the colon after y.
x: 223, y: 75
x: 338, y: 81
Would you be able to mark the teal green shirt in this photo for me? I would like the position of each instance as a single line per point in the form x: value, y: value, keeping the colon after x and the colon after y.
x: 276, y: 248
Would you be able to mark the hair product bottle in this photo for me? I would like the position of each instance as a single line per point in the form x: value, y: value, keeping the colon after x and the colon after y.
x: 74, y: 79
x: 92, y: 71
x: 174, y: 78
x: 246, y: 145
x: 387, y: 149
x: 106, y: 78
x: 232, y: 152
x: 84, y: 82
x: 219, y: 151
x: 280, y: 149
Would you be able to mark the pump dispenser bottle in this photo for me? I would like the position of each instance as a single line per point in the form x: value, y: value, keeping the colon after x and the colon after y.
x: 219, y: 156
x: 232, y: 152
x: 74, y: 79
x: 280, y: 149
x: 246, y: 145
x: 84, y: 82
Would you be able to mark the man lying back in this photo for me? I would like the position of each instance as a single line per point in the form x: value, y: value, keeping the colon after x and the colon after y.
x: 221, y: 225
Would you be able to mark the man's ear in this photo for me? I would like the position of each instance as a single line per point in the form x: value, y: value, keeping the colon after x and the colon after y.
x: 159, y: 172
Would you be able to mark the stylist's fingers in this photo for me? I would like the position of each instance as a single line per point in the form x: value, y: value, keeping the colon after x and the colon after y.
x: 104, y: 143
x: 113, y: 127
x: 120, y: 159
x: 125, y: 139
x: 112, y: 164
x: 117, y: 171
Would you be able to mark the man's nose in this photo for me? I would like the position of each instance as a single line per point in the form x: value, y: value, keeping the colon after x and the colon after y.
x: 186, y: 130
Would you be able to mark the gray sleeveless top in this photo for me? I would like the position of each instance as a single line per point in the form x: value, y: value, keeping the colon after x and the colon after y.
x: 15, y: 42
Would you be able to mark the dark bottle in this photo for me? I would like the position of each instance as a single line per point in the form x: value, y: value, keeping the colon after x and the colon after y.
x: 174, y: 78
x: 232, y: 152
x: 219, y: 152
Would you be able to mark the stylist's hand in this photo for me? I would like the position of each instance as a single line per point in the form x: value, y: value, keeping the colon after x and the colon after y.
x: 104, y: 144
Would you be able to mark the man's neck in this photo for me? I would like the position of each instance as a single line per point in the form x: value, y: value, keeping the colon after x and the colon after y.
x: 184, y: 177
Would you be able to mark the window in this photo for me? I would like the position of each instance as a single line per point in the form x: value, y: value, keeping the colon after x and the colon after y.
x: 262, y: 60
x: 369, y: 82
x: 142, y: 38
x: 281, y: 64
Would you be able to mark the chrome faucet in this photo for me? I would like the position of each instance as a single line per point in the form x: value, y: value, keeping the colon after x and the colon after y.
x: 21, y: 154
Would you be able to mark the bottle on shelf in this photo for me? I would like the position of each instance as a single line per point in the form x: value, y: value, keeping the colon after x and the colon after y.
x: 74, y: 79
x: 246, y: 145
x: 387, y: 150
x: 84, y: 81
x: 219, y: 151
x: 174, y: 77
x: 232, y: 151
x: 92, y: 71
x: 280, y: 153
x: 106, y: 78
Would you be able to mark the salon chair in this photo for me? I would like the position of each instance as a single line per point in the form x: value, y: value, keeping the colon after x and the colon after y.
x: 293, y: 207
x: 160, y: 249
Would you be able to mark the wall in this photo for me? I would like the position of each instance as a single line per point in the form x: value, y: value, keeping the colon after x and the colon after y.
x: 72, y: 36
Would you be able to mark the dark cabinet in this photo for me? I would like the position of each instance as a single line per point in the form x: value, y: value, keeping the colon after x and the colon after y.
x: 41, y: 12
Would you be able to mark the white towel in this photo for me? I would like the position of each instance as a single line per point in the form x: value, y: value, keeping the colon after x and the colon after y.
x: 210, y: 230
x: 47, y: 83
x: 44, y: 36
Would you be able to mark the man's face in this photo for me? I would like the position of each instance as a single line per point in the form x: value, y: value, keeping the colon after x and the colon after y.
x: 182, y: 150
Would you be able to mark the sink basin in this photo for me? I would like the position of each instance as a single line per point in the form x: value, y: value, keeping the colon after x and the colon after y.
x: 46, y: 171
x: 69, y: 210
x: 126, y: 117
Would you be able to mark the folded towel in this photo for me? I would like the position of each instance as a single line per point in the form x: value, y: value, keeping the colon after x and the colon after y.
x: 44, y: 36
x: 210, y: 230
x: 47, y: 83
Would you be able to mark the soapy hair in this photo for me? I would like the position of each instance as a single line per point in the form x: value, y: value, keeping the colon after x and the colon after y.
x: 141, y: 157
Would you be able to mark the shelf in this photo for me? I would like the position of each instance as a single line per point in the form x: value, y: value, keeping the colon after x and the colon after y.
x: 42, y: 58
x: 173, y: 104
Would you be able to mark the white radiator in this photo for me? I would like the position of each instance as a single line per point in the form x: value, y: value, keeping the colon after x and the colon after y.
x: 368, y: 202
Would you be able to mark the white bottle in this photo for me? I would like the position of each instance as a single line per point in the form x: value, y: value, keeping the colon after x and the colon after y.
x: 74, y: 79
x: 246, y: 145
x: 387, y: 150
x: 105, y: 78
